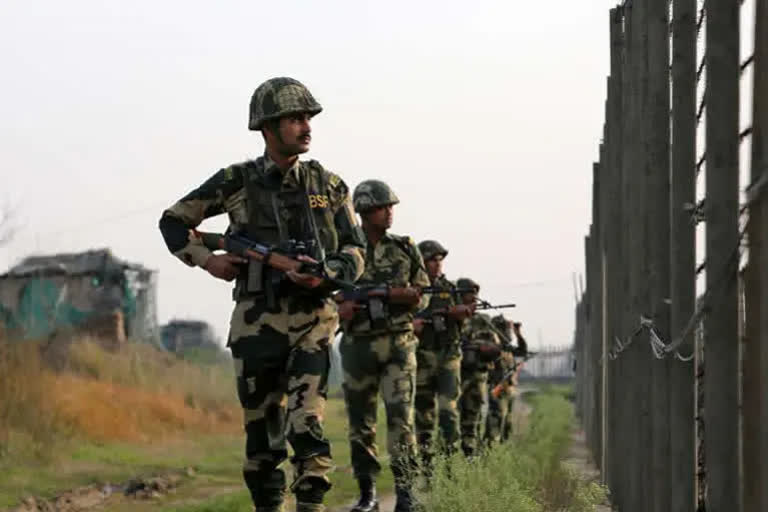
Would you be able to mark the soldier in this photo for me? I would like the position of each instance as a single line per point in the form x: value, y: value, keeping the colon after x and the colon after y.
x: 519, y: 352
x: 378, y: 350
x: 480, y: 348
x: 502, y: 387
x: 438, y: 358
x: 282, y: 323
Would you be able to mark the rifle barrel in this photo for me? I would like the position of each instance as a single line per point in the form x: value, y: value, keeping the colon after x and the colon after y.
x: 498, y: 306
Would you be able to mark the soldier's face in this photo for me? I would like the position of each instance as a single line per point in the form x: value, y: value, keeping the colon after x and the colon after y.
x: 380, y: 217
x: 294, y: 134
x: 435, y: 266
x: 468, y: 298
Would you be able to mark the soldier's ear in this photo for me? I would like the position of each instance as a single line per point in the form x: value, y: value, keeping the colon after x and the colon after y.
x: 270, y: 128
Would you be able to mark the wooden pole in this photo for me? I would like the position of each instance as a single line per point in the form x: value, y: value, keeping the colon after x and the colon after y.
x: 637, y: 374
x: 657, y: 172
x: 614, y: 249
x: 683, y: 253
x: 721, y: 344
x: 596, y: 339
x: 756, y: 356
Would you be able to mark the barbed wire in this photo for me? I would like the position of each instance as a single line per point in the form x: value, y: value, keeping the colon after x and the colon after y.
x: 661, y: 349
x: 701, y: 162
x: 746, y: 64
x: 697, y: 211
x: 730, y: 269
x: 700, y: 21
x: 702, y: 105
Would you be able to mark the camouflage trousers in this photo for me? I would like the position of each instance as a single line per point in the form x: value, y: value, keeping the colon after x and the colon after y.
x: 500, y: 420
x: 281, y: 359
x: 438, y: 383
x: 383, y: 363
x: 474, y: 387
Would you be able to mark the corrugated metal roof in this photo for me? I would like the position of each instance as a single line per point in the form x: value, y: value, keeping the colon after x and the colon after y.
x: 97, y: 261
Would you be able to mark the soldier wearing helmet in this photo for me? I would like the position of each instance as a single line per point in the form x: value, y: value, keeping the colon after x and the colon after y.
x: 438, y: 378
x: 282, y: 323
x: 499, y: 421
x: 378, y: 349
x: 481, y: 347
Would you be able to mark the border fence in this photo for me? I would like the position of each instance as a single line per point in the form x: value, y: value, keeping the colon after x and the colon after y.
x: 549, y: 363
x: 676, y: 261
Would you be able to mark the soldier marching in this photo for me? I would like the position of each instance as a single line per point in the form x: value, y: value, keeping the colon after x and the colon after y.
x: 303, y: 267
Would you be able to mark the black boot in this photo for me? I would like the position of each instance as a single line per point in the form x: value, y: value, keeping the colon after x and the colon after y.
x: 406, y: 501
x: 368, y: 501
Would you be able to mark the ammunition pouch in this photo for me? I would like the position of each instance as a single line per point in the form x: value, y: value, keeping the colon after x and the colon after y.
x: 439, y: 323
x: 469, y: 357
x: 378, y: 313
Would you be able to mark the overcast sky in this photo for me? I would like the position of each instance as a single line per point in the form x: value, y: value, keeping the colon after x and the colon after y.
x: 484, y: 116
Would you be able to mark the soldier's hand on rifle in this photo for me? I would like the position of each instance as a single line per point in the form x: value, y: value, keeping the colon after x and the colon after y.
x: 418, y: 325
x: 347, y: 309
x: 305, y: 280
x: 462, y: 311
x: 224, y: 266
x: 408, y: 295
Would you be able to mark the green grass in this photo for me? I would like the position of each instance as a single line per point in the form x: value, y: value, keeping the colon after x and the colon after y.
x: 521, y: 475
x: 43, y: 454
x: 344, y: 485
x: 216, y: 459
x: 83, y: 463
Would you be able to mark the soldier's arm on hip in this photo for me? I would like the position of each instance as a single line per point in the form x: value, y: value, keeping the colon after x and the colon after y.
x: 208, y: 200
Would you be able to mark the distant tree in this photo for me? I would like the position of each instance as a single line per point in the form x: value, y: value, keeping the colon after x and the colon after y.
x: 7, y: 224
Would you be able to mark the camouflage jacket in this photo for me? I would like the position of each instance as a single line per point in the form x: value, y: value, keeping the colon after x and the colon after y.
x: 441, y: 332
x: 477, y: 328
x: 228, y: 192
x: 395, y: 261
x: 507, y: 361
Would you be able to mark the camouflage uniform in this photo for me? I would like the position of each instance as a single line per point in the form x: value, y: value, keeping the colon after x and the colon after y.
x: 379, y: 355
x: 279, y: 332
x: 383, y: 358
x: 474, y: 378
x: 438, y: 378
x: 500, y: 408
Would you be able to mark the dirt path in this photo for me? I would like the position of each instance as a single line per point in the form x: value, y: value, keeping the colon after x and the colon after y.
x: 580, y: 460
x: 386, y: 504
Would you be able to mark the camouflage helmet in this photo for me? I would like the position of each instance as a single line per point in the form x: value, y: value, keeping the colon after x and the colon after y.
x: 278, y: 97
x: 431, y: 248
x: 372, y: 194
x: 465, y: 282
x: 501, y: 323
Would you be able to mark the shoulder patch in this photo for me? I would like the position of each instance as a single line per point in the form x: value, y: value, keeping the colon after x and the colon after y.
x: 409, y: 247
x: 239, y: 170
x: 333, y: 179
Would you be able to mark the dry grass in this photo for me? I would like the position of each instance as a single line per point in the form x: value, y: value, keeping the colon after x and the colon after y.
x: 134, y: 394
x: 26, y: 402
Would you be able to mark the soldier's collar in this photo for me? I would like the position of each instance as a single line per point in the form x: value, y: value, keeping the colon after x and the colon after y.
x: 270, y: 166
x: 438, y: 279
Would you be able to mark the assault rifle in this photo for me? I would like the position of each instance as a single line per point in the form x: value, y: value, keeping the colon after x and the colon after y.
x: 373, y: 297
x: 482, y: 351
x: 484, y: 304
x: 436, y: 317
x: 498, y: 389
x: 393, y: 294
x: 280, y: 258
